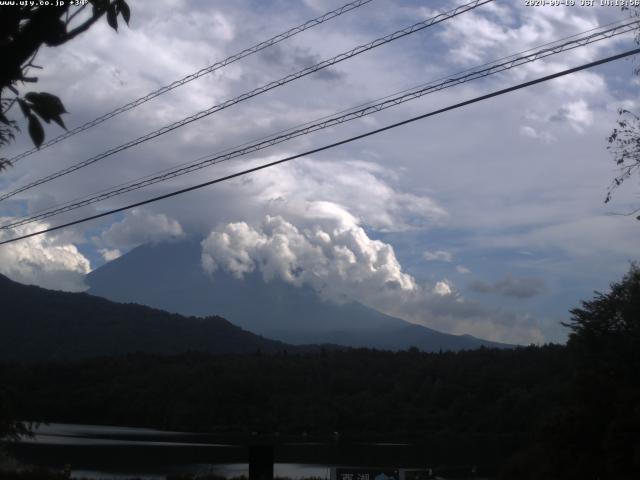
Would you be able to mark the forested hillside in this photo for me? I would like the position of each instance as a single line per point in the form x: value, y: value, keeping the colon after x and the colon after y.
x: 40, y: 324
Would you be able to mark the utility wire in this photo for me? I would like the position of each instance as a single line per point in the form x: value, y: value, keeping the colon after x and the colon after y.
x: 326, y: 122
x: 310, y: 127
x: 265, y: 88
x: 212, y: 68
x: 350, y: 109
x: 606, y: 29
x: 332, y: 145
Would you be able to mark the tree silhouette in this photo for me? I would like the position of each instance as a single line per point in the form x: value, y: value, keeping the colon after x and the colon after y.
x: 605, y: 342
x: 624, y: 141
x: 24, y: 29
x: 615, y: 315
x: 624, y: 144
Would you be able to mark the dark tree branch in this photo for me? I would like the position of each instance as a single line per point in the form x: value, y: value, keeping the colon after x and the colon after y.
x: 22, y: 32
x: 74, y: 14
x: 85, y: 26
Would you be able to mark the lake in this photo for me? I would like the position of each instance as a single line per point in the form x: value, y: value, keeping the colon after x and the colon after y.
x: 108, y: 452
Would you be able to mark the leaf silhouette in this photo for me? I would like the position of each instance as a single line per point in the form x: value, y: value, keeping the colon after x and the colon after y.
x: 35, y: 130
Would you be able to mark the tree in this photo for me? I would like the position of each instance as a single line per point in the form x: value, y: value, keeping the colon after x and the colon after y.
x: 24, y: 29
x: 10, y: 428
x: 605, y: 343
x: 624, y: 141
x: 624, y: 144
x: 614, y: 316
x: 592, y: 430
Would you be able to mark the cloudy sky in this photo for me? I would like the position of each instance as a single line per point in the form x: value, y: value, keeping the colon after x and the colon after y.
x: 487, y: 220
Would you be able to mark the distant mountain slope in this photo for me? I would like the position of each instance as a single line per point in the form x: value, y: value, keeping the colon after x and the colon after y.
x: 169, y: 276
x: 40, y: 324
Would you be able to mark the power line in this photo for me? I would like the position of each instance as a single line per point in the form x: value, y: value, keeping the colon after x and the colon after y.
x: 265, y: 88
x: 325, y: 117
x: 332, y: 145
x: 326, y: 122
x: 205, y: 71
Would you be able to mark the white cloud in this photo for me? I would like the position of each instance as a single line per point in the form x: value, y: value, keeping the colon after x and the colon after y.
x: 442, y: 288
x: 492, y: 32
x: 462, y: 269
x: 530, y: 132
x: 589, y: 238
x: 139, y: 227
x: 327, y: 251
x: 443, y: 308
x: 576, y: 113
x: 311, y: 233
x: 511, y: 286
x: 492, y: 324
x: 457, y: 171
x: 438, y: 255
x: 362, y: 192
x: 317, y: 5
x: 363, y: 188
x: 109, y: 254
x: 46, y: 261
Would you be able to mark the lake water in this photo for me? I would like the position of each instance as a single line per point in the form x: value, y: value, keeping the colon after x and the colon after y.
x: 107, y: 452
x: 229, y: 470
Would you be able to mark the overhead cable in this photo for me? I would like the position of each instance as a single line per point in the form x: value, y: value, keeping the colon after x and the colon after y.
x: 332, y: 145
x: 189, y: 78
x: 245, y: 96
x: 388, y: 102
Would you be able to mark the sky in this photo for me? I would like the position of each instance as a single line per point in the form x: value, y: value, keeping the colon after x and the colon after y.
x: 486, y: 220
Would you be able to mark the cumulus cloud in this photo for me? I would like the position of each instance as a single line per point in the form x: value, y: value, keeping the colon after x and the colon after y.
x: 364, y: 189
x: 46, y: 261
x: 296, y: 58
x: 442, y: 288
x: 365, y: 192
x: 140, y: 227
x: 530, y: 132
x: 496, y: 29
x: 438, y: 255
x: 449, y: 313
x: 109, y: 254
x: 316, y: 229
x: 424, y: 177
x: 577, y: 114
x: 511, y: 286
x: 587, y: 238
x: 443, y: 308
x: 328, y: 252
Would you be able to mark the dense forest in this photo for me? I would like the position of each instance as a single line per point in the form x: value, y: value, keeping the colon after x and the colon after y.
x: 475, y: 407
x: 484, y: 405
x: 538, y: 412
x: 360, y: 393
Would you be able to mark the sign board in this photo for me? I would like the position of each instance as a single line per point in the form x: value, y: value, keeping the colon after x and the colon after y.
x: 365, y: 473
x: 371, y: 473
x: 416, y: 474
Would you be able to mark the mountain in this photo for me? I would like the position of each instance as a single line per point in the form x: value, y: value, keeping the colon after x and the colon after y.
x: 169, y: 276
x: 39, y: 324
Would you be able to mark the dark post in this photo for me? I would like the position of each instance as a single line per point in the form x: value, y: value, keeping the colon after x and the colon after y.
x: 261, y: 462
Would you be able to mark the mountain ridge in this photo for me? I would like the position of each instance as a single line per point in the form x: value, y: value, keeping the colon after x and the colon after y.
x: 47, y: 325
